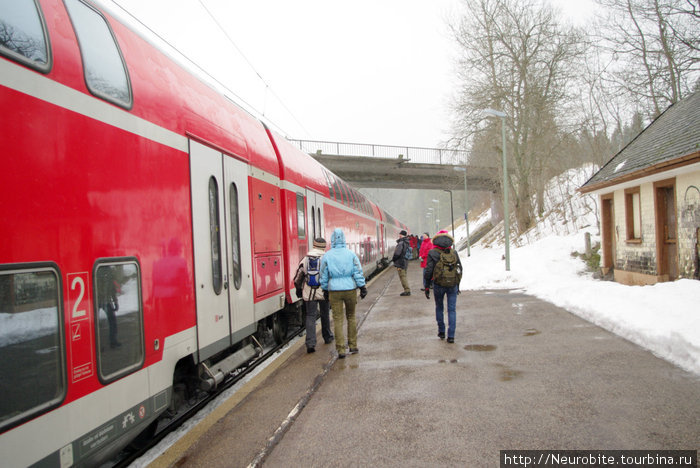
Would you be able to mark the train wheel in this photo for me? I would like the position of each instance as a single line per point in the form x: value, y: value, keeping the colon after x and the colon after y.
x: 144, y: 437
x: 279, y: 326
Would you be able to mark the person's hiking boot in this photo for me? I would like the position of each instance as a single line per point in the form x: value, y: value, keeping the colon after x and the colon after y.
x: 441, y: 335
x: 354, y: 350
x: 341, y: 356
x: 405, y: 293
x: 450, y: 340
x: 310, y: 349
x: 328, y: 340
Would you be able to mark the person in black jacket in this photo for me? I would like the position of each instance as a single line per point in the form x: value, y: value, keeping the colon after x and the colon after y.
x: 400, y: 261
x: 443, y: 243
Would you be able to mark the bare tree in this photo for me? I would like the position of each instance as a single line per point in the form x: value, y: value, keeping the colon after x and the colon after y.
x: 516, y: 58
x: 655, y: 45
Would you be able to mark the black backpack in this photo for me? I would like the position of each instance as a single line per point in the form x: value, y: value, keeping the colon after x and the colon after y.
x: 447, y: 272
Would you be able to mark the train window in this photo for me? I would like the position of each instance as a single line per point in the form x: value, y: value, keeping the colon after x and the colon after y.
x: 32, y: 373
x: 235, y: 237
x: 301, y: 219
x: 320, y: 231
x: 106, y: 75
x: 377, y: 247
x: 118, y: 317
x: 338, y: 193
x: 313, y: 222
x: 214, y: 230
x: 330, y: 184
x: 346, y: 199
x: 23, y: 35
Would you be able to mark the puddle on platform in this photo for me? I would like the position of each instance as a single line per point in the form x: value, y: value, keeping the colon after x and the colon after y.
x: 444, y: 361
x: 531, y: 332
x: 510, y: 374
x: 507, y: 374
x: 480, y: 347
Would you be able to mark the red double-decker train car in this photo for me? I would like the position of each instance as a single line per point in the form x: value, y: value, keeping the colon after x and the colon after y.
x: 149, y: 231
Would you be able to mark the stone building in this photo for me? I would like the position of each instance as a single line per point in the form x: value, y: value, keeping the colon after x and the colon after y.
x: 649, y: 196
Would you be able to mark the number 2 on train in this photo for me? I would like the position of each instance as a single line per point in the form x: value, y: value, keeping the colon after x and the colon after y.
x: 77, y: 282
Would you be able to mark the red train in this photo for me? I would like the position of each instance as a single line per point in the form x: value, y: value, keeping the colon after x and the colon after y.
x: 149, y: 229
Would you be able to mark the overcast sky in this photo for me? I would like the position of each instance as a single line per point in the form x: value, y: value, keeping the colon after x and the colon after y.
x: 367, y: 71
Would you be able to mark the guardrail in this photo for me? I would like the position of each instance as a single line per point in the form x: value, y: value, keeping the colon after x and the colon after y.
x: 406, y: 153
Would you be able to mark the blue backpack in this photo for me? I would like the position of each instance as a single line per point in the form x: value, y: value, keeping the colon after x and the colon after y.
x: 312, y: 272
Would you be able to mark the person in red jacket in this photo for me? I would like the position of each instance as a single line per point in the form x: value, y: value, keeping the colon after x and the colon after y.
x: 425, y: 247
x: 413, y: 241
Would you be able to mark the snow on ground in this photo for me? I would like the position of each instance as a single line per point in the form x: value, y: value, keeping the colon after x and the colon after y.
x: 663, y: 318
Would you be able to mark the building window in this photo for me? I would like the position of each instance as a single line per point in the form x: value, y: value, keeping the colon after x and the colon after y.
x: 32, y: 374
x: 633, y: 215
x: 104, y: 68
x: 301, y: 219
x: 118, y: 317
x: 23, y: 34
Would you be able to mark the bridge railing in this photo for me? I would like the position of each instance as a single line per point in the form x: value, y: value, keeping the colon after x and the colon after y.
x: 412, y: 153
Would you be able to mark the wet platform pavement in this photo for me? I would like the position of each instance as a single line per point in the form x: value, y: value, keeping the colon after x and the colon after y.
x: 522, y: 375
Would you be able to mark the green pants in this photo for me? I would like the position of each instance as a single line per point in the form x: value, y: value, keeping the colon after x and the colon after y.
x: 404, y: 280
x: 349, y: 300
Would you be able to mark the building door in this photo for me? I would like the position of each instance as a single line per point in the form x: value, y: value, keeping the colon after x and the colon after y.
x: 608, y: 232
x: 666, y: 230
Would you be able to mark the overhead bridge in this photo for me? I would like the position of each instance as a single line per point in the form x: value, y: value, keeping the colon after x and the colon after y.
x: 400, y: 167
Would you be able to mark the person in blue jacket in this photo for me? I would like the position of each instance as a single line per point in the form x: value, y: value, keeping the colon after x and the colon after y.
x: 341, y: 275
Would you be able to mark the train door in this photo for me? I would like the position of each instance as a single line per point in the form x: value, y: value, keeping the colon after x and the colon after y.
x: 240, y: 277
x: 210, y: 265
x: 314, y: 215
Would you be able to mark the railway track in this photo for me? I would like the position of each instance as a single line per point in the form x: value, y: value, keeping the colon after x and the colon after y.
x: 167, y: 426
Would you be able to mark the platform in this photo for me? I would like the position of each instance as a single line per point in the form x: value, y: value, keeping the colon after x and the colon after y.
x: 522, y: 374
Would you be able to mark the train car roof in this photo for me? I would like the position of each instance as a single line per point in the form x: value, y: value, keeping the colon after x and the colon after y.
x: 299, y: 168
x: 173, y: 94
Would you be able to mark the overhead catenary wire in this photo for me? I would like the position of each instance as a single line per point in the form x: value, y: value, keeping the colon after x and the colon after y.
x: 250, y: 64
x: 246, y: 106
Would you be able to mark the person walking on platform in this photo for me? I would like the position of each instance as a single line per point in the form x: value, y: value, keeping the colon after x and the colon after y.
x: 444, y: 271
x: 425, y: 247
x: 307, y: 282
x: 341, y: 275
x: 413, y: 241
x: 400, y: 259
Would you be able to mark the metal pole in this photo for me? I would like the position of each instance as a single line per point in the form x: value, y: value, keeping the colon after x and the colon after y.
x: 506, y: 217
x: 452, y: 214
x: 466, y: 208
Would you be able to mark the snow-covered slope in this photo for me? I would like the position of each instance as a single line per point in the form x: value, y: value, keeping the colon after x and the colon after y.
x: 662, y: 318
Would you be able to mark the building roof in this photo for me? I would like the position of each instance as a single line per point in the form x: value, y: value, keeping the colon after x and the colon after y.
x: 672, y: 138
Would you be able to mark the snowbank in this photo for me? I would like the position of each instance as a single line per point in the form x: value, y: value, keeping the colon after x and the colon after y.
x: 663, y: 318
